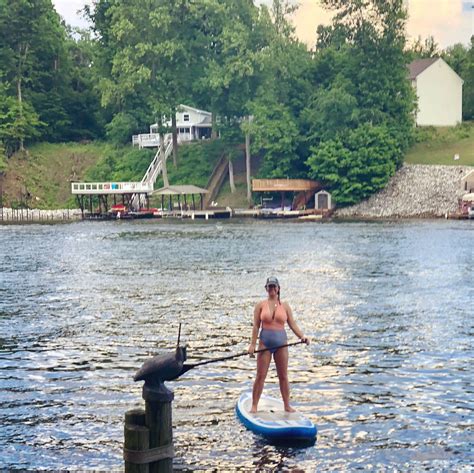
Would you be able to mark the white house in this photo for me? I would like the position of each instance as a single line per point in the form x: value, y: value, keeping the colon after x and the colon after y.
x: 191, y: 124
x: 439, y: 92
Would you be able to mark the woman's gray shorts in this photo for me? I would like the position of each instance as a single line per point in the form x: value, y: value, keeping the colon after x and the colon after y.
x: 273, y: 338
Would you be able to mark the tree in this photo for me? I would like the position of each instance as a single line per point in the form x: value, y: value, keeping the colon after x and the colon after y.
x: 34, y: 61
x: 424, y: 49
x: 281, y: 95
x: 357, y: 163
x: 18, y: 122
x: 461, y: 59
x: 362, y: 109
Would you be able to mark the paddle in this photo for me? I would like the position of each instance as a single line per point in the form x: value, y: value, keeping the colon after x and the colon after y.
x: 187, y: 367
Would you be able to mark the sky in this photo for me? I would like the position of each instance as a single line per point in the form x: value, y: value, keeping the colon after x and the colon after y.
x: 448, y: 21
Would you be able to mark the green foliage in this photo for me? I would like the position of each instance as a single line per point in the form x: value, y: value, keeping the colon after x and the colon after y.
x: 360, y: 117
x: 121, y: 164
x: 197, y: 161
x: 121, y: 128
x: 423, y: 49
x: 18, y: 122
x: 48, y: 74
x: 284, y: 86
x: 275, y: 134
x: 461, y: 59
x: 355, y: 164
x: 332, y: 109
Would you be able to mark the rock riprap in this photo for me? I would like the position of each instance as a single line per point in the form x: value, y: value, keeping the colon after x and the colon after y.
x: 416, y: 190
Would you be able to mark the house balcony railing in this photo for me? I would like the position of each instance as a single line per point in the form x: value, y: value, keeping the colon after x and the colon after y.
x: 152, y: 140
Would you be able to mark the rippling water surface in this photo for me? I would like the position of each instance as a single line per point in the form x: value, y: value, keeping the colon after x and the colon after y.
x: 388, y: 378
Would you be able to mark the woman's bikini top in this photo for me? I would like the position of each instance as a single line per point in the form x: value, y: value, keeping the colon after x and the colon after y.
x: 270, y: 321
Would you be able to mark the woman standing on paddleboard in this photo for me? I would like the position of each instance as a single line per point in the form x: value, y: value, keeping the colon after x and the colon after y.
x: 270, y: 317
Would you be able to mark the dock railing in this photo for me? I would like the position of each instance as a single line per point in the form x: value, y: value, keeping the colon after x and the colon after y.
x: 94, y: 188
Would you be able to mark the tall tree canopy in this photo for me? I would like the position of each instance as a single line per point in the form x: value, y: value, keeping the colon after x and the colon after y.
x: 363, y: 93
x: 37, y: 67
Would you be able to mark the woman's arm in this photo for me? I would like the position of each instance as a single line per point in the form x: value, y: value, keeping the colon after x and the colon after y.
x: 293, y: 325
x: 256, y: 326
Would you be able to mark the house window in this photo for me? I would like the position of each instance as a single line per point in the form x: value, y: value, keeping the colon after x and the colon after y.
x: 186, y: 117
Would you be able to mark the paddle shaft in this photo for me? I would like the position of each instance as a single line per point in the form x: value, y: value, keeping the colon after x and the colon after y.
x: 229, y: 357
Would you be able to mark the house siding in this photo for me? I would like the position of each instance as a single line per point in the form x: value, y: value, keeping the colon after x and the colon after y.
x: 439, y: 91
x: 194, y: 116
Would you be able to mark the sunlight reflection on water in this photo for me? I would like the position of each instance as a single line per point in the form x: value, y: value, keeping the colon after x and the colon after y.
x: 387, y: 379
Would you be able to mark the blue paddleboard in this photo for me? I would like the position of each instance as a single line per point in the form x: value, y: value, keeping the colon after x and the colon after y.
x: 272, y: 421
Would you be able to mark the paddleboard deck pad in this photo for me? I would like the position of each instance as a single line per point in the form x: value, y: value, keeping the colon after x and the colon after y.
x: 272, y: 421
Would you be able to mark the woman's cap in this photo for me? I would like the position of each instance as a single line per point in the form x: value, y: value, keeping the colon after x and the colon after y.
x: 272, y: 281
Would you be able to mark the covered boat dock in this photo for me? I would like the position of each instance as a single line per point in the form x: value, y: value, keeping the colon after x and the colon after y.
x: 186, y: 207
x: 303, y: 188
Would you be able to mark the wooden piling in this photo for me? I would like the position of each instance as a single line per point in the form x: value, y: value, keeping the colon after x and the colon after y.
x: 159, y: 421
x: 137, y: 439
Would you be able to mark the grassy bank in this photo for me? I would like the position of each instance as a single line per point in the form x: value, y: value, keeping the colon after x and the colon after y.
x: 440, y: 145
x: 40, y: 177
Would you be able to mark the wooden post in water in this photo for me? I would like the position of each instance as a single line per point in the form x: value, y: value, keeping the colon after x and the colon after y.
x: 137, y: 440
x: 159, y: 421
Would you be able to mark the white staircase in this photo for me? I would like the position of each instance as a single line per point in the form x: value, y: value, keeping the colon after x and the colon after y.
x: 154, y: 170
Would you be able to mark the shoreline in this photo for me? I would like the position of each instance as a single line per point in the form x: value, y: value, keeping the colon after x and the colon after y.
x: 415, y: 192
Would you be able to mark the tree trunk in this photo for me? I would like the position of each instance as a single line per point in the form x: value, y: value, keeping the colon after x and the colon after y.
x: 247, y: 165
x: 175, y: 138
x: 164, y: 170
x: 21, y: 59
x: 231, y: 177
x: 20, y: 107
x: 214, y: 125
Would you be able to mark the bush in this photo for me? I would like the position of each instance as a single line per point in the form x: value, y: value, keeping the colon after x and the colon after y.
x: 121, y: 128
x: 356, y: 164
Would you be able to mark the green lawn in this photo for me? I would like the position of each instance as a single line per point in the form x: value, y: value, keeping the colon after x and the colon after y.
x: 439, y: 145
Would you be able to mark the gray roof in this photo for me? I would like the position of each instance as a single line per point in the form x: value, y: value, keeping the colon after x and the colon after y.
x: 180, y: 190
x: 416, y: 67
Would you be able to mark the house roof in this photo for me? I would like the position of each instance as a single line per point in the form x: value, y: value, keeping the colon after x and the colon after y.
x: 417, y: 66
x: 468, y: 177
x: 182, y: 108
x: 186, y: 189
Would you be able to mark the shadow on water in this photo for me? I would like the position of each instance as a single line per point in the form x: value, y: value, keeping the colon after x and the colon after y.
x: 387, y: 378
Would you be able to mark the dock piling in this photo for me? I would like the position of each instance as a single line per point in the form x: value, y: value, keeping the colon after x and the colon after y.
x: 148, y: 445
x: 137, y: 441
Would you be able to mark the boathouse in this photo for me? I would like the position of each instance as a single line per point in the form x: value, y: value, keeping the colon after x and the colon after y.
x: 303, y: 190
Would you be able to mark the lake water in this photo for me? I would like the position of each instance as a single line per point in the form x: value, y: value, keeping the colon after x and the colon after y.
x: 388, y: 377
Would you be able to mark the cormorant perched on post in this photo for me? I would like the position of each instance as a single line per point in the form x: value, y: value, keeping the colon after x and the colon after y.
x: 162, y: 368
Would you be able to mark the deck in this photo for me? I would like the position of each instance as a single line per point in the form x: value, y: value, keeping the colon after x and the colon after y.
x: 110, y: 188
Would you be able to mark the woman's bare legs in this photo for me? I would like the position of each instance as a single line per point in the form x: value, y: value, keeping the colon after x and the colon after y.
x: 263, y: 362
x: 281, y: 362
